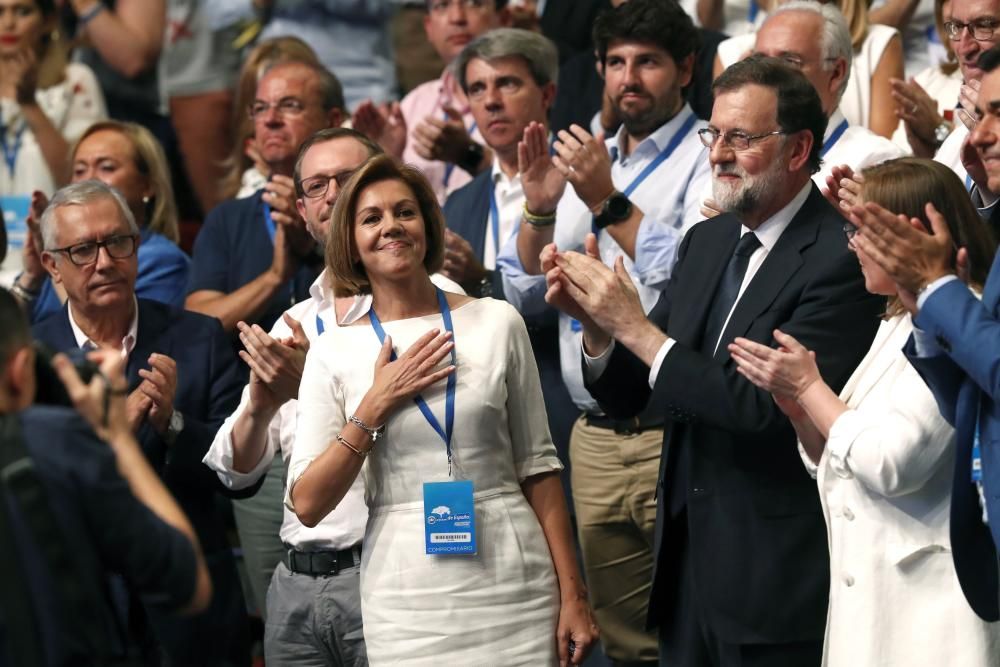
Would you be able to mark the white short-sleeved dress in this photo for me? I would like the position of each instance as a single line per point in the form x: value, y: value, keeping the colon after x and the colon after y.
x: 501, y: 605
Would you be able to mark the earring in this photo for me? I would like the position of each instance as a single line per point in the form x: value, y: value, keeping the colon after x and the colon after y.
x: 145, y: 199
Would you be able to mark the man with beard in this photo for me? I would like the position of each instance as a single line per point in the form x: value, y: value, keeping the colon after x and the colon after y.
x: 314, y: 599
x: 742, y: 573
x: 638, y: 191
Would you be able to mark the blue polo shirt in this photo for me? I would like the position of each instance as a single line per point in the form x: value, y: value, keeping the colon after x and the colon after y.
x: 234, y: 247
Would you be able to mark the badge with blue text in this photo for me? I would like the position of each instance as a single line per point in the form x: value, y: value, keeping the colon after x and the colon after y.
x: 449, y: 518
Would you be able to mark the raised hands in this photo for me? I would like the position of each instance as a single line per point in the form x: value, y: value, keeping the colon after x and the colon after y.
x: 384, y: 124
x: 159, y: 385
x: 275, y: 364
x: 843, y: 188
x: 968, y: 101
x: 412, y: 372
x: 919, y: 113
x: 584, y: 161
x: 786, y: 372
x: 19, y: 75
x: 279, y: 194
x: 542, y: 181
x: 460, y: 261
x: 444, y: 139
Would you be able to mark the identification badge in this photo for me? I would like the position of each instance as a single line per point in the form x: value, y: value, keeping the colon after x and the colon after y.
x: 449, y: 518
x: 15, y: 220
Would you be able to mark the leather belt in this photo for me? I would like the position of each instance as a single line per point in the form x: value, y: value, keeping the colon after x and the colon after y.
x: 321, y: 563
x: 633, y: 426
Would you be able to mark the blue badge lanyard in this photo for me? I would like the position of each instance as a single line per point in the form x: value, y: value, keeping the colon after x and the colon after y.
x: 449, y: 402
x: 657, y: 161
x: 828, y: 144
x: 272, y: 229
x: 752, y: 12
x: 319, y: 325
x: 10, y: 152
x: 449, y: 167
x: 968, y: 182
x: 495, y: 219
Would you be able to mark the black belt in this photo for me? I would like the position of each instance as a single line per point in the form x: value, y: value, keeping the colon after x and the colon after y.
x: 320, y: 563
x: 633, y: 426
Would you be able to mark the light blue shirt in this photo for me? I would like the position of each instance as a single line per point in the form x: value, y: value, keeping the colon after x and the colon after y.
x: 670, y: 199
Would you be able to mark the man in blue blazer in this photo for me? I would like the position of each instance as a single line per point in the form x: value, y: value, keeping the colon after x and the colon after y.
x: 955, y: 347
x: 183, y: 381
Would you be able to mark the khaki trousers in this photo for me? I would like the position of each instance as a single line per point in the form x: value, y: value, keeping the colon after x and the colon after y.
x: 614, y: 493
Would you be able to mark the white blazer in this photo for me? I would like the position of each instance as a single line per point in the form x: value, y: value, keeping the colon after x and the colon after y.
x: 885, y: 485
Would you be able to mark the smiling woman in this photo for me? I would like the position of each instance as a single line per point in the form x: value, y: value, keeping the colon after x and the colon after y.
x: 364, y: 410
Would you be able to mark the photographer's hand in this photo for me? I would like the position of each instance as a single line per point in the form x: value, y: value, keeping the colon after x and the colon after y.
x: 102, y: 401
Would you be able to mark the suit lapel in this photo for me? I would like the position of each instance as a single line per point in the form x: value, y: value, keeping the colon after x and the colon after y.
x: 781, y: 263
x: 695, y: 295
x: 57, y: 332
x: 885, y: 353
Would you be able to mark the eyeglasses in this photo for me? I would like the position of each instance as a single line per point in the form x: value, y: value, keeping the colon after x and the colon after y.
x: 286, y: 106
x: 850, y: 229
x: 798, y: 62
x: 441, y: 6
x: 317, y: 186
x: 117, y: 247
x: 737, y: 140
x: 982, y: 29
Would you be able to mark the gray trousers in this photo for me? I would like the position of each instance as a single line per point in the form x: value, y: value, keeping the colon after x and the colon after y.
x: 258, y: 521
x: 314, y: 621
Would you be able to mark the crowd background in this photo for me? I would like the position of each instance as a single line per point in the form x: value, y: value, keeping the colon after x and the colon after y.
x: 202, y: 114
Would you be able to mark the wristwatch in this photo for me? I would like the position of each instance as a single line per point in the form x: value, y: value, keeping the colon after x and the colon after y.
x: 484, y: 287
x: 174, y: 427
x: 941, y: 132
x: 616, y: 208
x: 472, y: 158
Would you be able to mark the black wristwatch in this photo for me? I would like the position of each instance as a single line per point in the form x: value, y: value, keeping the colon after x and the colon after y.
x: 616, y: 208
x: 472, y: 158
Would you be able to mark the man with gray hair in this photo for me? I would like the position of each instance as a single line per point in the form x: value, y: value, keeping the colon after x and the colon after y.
x: 814, y: 39
x: 637, y: 193
x: 182, y: 383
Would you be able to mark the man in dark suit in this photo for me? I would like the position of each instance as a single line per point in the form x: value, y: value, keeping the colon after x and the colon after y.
x: 183, y: 381
x: 509, y: 77
x: 742, y: 570
x: 955, y: 346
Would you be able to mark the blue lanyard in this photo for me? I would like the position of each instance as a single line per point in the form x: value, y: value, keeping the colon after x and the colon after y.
x: 495, y: 219
x: 10, y: 152
x: 449, y: 401
x: 657, y: 161
x: 828, y: 144
x: 319, y: 325
x: 449, y: 167
x: 752, y: 11
x: 269, y: 222
x: 968, y: 182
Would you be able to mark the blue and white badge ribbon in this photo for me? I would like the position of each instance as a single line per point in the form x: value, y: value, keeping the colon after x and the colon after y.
x: 977, y: 466
x: 449, y: 402
x: 675, y: 141
x: 828, y: 144
x: 10, y: 151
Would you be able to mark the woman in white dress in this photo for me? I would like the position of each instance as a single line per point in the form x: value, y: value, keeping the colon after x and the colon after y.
x: 518, y: 600
x: 883, y: 458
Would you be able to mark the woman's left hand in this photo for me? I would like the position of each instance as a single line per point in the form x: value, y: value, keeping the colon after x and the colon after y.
x: 578, y: 628
x: 786, y: 372
x: 20, y: 71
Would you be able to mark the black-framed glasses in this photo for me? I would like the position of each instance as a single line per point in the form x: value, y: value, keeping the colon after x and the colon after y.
x: 441, y: 6
x: 737, y: 139
x: 117, y: 247
x: 317, y: 186
x: 850, y: 229
x: 981, y: 29
x: 286, y: 106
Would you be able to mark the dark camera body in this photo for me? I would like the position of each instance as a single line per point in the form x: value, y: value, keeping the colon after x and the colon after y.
x: 49, y: 388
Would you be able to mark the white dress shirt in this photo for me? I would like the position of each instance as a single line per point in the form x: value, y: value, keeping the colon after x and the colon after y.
x: 768, y: 233
x: 509, y: 195
x: 345, y: 526
x: 858, y: 147
x: 670, y: 199
x: 128, y: 341
x: 950, y: 152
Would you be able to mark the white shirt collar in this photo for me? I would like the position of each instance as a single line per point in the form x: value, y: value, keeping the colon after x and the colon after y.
x: 655, y: 142
x: 128, y: 342
x: 769, y: 231
x: 833, y: 123
x: 498, y: 176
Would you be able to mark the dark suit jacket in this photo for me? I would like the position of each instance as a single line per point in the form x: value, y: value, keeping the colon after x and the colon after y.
x: 965, y: 384
x: 467, y: 213
x: 755, y: 530
x: 208, y: 390
x: 569, y: 23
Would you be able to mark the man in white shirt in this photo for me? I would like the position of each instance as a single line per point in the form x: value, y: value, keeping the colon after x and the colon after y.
x: 741, y: 550
x: 815, y: 39
x: 313, y: 602
x: 640, y: 190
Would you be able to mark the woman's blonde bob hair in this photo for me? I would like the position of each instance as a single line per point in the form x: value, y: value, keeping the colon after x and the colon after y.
x: 906, y: 185
x: 347, y: 274
x: 160, y: 215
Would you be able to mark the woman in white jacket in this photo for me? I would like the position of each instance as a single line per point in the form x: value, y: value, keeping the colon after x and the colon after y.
x: 883, y: 457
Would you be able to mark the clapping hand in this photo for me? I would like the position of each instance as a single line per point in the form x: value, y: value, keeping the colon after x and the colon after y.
x: 159, y: 386
x: 584, y: 160
x: 543, y: 183
x: 843, y: 188
x: 383, y: 124
x: 276, y: 365
x: 785, y: 372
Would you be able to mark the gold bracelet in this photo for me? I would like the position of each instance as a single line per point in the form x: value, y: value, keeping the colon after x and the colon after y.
x: 342, y: 440
x: 536, y: 220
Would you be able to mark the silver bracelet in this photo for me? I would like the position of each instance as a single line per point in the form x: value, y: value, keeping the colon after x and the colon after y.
x: 373, y: 433
x: 23, y: 293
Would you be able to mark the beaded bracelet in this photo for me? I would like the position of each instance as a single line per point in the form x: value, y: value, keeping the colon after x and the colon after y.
x: 536, y: 220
